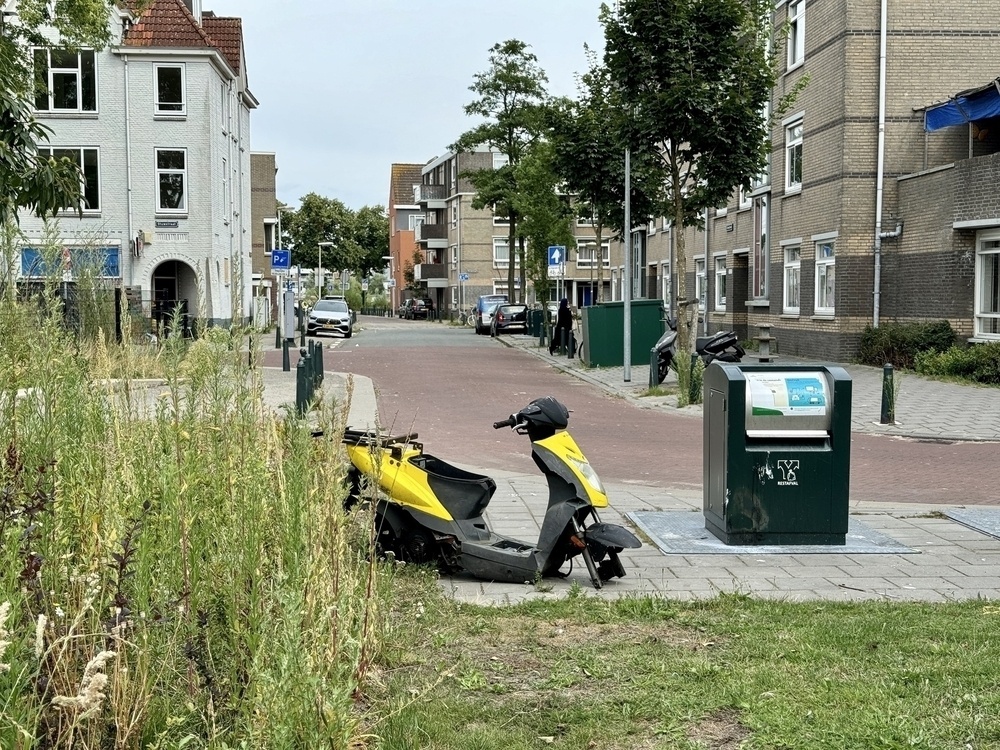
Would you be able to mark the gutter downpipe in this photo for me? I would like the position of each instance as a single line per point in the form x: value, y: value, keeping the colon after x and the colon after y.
x: 627, y: 297
x: 130, y: 238
x: 880, y: 172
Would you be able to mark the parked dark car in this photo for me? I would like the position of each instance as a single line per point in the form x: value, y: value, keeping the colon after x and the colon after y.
x: 509, y: 318
x: 330, y: 316
x: 418, y: 308
x: 483, y: 311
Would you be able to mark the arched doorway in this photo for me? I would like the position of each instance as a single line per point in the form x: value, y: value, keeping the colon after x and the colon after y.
x: 174, y: 290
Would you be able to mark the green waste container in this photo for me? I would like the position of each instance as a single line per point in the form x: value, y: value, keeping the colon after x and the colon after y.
x: 535, y: 322
x: 604, y: 331
x: 777, y: 453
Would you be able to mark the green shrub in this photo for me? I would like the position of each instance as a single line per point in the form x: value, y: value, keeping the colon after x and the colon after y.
x: 899, y: 343
x: 979, y: 363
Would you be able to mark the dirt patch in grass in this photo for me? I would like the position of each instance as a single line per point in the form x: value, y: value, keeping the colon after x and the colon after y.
x: 721, y: 730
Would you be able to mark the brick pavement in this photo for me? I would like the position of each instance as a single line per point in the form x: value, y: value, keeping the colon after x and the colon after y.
x: 949, y: 561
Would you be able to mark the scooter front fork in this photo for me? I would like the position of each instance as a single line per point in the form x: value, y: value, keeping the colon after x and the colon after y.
x: 588, y: 558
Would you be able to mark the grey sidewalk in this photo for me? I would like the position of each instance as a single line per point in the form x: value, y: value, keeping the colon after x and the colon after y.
x: 925, y: 409
x: 943, y: 560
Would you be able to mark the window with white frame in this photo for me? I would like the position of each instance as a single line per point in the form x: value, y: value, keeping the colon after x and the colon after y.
x: 988, y: 286
x: 225, y: 187
x: 720, y: 282
x: 454, y: 296
x: 500, y: 218
x: 68, y: 80
x: 270, y: 235
x: 700, y: 282
x: 501, y: 252
x: 744, y: 199
x: 500, y: 160
x: 90, y: 173
x: 171, y: 180
x: 415, y: 221
x: 170, y: 90
x: 454, y: 214
x: 585, y: 220
x: 761, y: 251
x: 796, y: 32
x: 792, y: 285
x: 665, y: 285
x: 586, y: 254
x: 454, y: 255
x: 793, y: 155
x: 826, y: 270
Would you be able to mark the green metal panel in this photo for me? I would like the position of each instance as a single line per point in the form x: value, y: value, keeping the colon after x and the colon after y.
x: 785, y: 467
x: 604, y: 330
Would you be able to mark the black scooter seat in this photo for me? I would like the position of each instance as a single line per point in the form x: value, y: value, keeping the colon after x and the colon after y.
x: 464, y: 494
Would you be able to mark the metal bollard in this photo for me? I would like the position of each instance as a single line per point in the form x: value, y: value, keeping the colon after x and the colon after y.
x: 888, y: 396
x: 285, y: 362
x: 277, y: 336
x: 572, y: 344
x: 692, y: 387
x: 562, y: 341
x: 301, y: 387
x: 654, y: 368
x: 319, y: 364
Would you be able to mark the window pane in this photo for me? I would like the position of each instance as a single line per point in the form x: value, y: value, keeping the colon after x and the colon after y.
x: 63, y: 58
x: 172, y: 191
x: 169, y: 90
x: 827, y: 274
x: 792, y: 292
x: 64, y: 91
x: 88, y: 81
x: 41, y: 79
x: 91, y: 183
x: 989, y: 301
x: 170, y: 160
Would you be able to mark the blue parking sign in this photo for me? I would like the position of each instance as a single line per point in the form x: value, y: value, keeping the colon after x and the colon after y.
x: 281, y: 260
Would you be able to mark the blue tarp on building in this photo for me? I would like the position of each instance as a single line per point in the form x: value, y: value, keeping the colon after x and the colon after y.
x: 965, y: 107
x: 103, y: 262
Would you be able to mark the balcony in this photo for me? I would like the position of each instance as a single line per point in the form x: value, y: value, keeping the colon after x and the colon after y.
x: 430, y: 196
x: 431, y: 274
x: 432, y: 236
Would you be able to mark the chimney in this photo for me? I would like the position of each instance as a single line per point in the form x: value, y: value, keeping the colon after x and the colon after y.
x: 195, y: 7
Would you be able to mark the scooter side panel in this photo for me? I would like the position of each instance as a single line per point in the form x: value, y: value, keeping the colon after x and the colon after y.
x: 403, y: 482
x: 556, y: 450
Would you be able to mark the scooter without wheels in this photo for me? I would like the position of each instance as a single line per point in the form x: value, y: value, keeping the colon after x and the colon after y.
x: 429, y: 511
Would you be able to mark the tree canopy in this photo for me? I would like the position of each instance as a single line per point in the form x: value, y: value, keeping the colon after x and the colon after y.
x: 511, y: 97
x: 359, y: 239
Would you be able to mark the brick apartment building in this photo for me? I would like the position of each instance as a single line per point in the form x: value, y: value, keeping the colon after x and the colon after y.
x: 263, y: 235
x: 405, y: 216
x: 868, y: 213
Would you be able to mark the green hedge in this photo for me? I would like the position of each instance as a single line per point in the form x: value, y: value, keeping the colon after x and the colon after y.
x: 900, y: 343
x: 979, y: 363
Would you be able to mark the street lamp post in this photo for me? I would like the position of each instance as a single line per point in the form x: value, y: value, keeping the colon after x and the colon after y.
x: 319, y: 273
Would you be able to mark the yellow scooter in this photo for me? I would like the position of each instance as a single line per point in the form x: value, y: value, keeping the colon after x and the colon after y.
x: 429, y: 511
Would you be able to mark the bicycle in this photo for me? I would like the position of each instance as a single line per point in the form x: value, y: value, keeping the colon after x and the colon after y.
x: 469, y: 318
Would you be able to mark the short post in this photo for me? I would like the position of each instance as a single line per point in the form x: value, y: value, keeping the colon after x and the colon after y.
x: 319, y: 364
x: 542, y: 330
x: 654, y: 368
x: 572, y: 344
x: 301, y: 387
x: 277, y: 336
x: 764, y: 340
x: 285, y: 362
x: 562, y: 341
x: 692, y: 386
x: 888, y: 396
x: 302, y: 329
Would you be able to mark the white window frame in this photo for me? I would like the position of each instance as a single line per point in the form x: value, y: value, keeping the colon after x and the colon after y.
x: 500, y: 220
x: 700, y: 282
x: 665, y: 283
x: 500, y: 160
x: 51, y: 71
x: 270, y: 228
x: 796, y: 55
x: 500, y: 243
x: 454, y: 214
x: 585, y: 253
x: 987, y: 322
x: 454, y: 255
x: 793, y: 147
x: 454, y: 296
x: 721, y: 287
x: 744, y: 199
x: 826, y: 272
x: 160, y: 209
x: 760, y: 273
x: 49, y: 150
x: 416, y: 220
x: 792, y: 278
x: 157, y: 104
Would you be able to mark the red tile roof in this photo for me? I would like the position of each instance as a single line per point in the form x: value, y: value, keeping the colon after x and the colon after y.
x: 404, y: 177
x: 227, y: 33
x: 168, y: 23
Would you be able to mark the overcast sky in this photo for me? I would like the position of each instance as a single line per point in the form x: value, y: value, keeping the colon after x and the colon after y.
x: 348, y: 87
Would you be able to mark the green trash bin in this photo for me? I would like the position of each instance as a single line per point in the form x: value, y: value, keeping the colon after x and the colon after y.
x: 534, y: 323
x: 777, y: 453
x: 604, y: 332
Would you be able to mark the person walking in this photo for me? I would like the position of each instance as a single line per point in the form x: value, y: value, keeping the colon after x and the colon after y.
x: 564, y: 322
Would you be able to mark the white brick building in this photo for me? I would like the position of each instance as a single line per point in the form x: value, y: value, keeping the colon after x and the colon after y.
x: 160, y: 122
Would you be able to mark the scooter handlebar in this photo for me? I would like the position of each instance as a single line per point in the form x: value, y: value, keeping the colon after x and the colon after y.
x: 508, y: 422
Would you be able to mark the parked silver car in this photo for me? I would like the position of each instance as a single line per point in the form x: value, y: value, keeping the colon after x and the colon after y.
x: 330, y: 316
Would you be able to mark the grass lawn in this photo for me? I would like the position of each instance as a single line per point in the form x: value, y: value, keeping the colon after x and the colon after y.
x: 732, y: 672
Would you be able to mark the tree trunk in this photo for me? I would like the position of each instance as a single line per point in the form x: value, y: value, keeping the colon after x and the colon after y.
x: 680, y: 258
x: 599, y: 260
x: 511, y: 236
x: 521, y: 259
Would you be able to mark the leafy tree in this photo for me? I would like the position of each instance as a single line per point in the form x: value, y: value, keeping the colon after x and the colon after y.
x: 697, y: 77
x: 29, y: 180
x: 359, y: 239
x: 511, y: 97
x: 547, y: 215
x: 589, y: 148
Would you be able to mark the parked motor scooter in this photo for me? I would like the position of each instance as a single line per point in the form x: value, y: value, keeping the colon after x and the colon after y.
x: 429, y: 511
x: 724, y: 346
